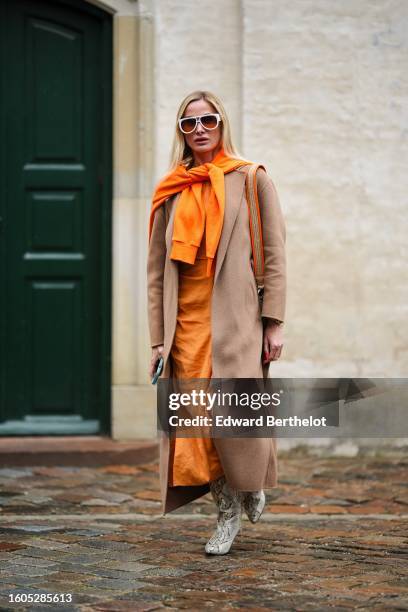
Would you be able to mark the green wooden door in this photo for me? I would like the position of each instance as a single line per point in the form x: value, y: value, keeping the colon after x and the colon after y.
x: 55, y: 198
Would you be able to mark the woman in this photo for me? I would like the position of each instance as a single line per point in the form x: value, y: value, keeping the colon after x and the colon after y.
x: 203, y: 308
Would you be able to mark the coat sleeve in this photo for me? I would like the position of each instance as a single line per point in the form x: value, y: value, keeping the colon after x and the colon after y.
x: 274, y: 239
x: 156, y: 256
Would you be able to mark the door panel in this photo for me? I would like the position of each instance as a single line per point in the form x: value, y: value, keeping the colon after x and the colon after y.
x: 56, y: 324
x: 53, y: 55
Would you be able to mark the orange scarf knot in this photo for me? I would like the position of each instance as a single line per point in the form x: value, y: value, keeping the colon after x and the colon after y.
x: 195, y: 214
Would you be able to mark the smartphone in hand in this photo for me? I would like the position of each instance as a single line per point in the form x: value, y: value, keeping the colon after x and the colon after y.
x: 158, y: 370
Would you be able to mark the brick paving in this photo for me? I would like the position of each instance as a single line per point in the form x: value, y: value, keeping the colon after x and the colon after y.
x: 333, y: 536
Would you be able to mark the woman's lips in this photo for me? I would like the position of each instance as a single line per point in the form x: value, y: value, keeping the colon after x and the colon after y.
x: 201, y: 140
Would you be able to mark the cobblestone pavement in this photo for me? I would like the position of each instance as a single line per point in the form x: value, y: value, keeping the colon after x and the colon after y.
x: 333, y: 537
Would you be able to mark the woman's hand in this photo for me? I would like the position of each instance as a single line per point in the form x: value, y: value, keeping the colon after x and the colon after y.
x: 156, y: 354
x: 272, y: 341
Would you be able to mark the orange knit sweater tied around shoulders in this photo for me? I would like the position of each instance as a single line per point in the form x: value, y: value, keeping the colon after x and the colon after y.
x: 196, y: 213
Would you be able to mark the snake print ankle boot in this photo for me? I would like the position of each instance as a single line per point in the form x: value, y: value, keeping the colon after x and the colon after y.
x: 254, y: 503
x: 228, y: 502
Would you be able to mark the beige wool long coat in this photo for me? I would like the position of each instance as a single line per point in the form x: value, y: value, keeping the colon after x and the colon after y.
x: 236, y: 321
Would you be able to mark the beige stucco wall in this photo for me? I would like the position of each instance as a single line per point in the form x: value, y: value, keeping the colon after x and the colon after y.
x: 331, y: 87
x: 317, y: 92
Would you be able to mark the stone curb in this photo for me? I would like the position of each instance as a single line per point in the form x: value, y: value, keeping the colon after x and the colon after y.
x: 87, y: 451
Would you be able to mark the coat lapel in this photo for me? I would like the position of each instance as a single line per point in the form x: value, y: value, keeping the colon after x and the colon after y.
x: 171, y: 294
x: 234, y: 188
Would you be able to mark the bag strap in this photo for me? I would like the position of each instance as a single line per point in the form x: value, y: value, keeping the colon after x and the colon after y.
x: 255, y: 224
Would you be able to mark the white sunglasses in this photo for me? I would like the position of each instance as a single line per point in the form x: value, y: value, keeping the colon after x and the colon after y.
x: 209, y: 122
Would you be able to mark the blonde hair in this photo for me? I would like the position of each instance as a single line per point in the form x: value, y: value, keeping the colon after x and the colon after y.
x: 181, y: 152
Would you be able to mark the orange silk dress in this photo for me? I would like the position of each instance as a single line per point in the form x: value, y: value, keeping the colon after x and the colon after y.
x: 193, y: 461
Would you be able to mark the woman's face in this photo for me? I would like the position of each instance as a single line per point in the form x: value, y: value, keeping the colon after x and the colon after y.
x: 202, y: 140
